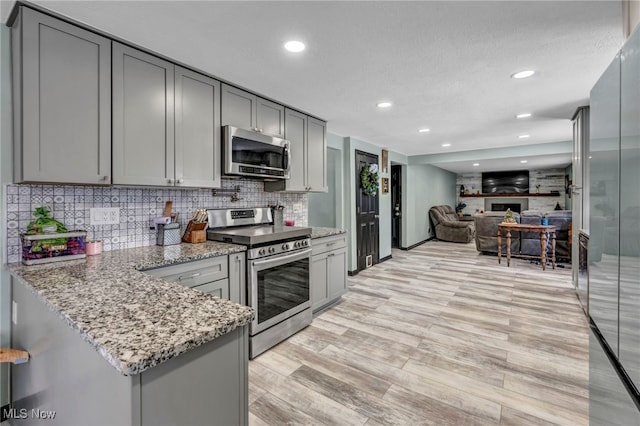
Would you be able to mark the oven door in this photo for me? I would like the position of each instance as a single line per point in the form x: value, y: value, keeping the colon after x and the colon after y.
x: 278, y: 288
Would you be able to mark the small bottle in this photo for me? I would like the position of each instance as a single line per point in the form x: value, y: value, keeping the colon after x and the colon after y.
x: 461, y: 190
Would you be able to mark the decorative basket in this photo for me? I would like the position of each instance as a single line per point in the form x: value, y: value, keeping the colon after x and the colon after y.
x: 54, y: 247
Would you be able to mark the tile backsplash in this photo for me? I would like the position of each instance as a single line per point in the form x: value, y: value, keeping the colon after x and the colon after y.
x: 138, y: 206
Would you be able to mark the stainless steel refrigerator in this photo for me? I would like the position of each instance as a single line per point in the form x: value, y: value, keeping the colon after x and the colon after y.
x: 614, y: 241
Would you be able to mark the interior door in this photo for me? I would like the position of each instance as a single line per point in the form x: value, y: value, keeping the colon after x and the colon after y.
x: 367, y: 217
x: 396, y: 206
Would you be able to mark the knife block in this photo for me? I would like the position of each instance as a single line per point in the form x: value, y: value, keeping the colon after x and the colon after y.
x: 195, y: 232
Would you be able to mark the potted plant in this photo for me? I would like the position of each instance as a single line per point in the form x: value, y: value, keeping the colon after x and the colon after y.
x: 508, y: 217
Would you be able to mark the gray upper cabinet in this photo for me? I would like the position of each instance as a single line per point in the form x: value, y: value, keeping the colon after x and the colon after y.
x: 143, y: 118
x: 308, y: 150
x: 295, y: 125
x: 197, y: 149
x: 248, y: 111
x: 62, y: 102
x: 166, y: 115
x: 317, y: 155
x: 270, y: 118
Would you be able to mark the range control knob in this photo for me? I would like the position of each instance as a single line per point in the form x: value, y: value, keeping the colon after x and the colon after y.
x: 261, y: 252
x: 272, y: 249
x: 285, y: 247
x: 305, y: 243
x: 296, y: 244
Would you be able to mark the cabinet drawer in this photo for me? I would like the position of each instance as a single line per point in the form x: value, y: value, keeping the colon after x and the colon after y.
x: 195, y: 273
x: 218, y: 288
x: 321, y: 245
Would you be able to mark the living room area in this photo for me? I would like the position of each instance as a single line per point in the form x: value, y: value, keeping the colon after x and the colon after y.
x: 537, y: 202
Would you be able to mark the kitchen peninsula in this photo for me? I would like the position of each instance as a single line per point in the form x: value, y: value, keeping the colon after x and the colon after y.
x: 110, y: 344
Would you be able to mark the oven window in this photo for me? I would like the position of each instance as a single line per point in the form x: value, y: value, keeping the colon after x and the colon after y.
x: 245, y: 151
x: 282, y: 288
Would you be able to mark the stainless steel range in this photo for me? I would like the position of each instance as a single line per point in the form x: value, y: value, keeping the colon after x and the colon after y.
x: 278, y: 266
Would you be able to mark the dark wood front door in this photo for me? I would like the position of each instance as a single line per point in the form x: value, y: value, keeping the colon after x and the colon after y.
x: 367, y: 217
x: 396, y: 206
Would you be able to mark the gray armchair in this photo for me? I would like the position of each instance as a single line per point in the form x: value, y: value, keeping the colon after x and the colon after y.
x: 448, y: 227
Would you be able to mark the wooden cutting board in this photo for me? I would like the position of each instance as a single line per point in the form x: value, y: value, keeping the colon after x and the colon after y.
x: 168, y: 206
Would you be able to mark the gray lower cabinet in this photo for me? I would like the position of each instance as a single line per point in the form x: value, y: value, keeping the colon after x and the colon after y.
x: 206, y: 385
x: 166, y: 126
x: 247, y: 111
x: 308, y: 151
x: 221, y: 276
x: 328, y: 270
x: 62, y: 101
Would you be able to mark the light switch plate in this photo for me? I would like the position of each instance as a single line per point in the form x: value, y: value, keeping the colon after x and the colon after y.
x: 104, y: 215
x: 14, y: 312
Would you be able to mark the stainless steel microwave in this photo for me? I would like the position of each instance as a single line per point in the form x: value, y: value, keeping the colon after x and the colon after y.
x: 249, y: 153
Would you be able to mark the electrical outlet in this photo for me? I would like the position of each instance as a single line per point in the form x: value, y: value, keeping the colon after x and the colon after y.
x: 104, y: 215
x: 14, y: 312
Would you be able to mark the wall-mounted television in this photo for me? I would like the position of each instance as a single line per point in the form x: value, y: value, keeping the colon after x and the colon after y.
x: 509, y: 182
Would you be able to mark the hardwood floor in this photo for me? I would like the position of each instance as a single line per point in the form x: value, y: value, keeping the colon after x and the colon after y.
x: 438, y: 335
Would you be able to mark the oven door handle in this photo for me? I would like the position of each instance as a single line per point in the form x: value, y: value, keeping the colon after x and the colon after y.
x: 281, y: 260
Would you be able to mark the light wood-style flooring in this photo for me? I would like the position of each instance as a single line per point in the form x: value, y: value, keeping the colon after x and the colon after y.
x: 438, y: 335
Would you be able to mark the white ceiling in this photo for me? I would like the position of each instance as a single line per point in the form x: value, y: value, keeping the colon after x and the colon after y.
x: 445, y: 65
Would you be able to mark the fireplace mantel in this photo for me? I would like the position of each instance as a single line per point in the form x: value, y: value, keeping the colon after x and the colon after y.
x: 528, y: 194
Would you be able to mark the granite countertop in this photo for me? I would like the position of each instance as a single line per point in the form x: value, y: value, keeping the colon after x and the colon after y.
x: 134, y: 320
x: 320, y: 232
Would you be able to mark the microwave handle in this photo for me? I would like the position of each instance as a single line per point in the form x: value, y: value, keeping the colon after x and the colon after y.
x: 287, y: 152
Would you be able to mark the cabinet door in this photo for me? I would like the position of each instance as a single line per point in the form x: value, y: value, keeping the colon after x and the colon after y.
x: 337, y: 273
x: 218, y: 288
x: 270, y: 118
x: 317, y: 155
x: 604, y: 203
x: 237, y: 278
x: 295, y: 125
x: 238, y: 108
x: 65, y: 131
x: 197, y: 121
x: 143, y: 118
x: 318, y: 282
x: 629, y: 336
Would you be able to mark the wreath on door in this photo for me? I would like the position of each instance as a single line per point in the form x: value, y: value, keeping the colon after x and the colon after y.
x: 369, y: 179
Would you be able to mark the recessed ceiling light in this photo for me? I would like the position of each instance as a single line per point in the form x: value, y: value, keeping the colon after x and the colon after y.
x: 384, y: 104
x: 523, y: 74
x: 424, y: 130
x: 523, y: 136
x: 294, y: 46
x: 476, y: 164
x: 445, y: 145
x: 523, y: 161
x: 524, y: 115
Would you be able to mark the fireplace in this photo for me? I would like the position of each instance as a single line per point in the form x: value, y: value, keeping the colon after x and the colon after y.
x: 502, y: 207
x: 501, y: 204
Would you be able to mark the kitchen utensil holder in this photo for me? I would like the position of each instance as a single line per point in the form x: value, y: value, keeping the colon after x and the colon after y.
x: 168, y: 234
x: 195, y: 232
x: 278, y: 218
